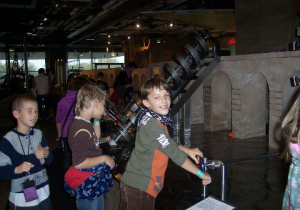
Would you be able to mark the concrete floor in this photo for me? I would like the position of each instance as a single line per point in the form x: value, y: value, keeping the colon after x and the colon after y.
x: 254, y: 184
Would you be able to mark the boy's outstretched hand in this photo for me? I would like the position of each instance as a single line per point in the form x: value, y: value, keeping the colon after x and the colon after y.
x: 195, y: 154
x: 206, y: 179
x: 24, y: 167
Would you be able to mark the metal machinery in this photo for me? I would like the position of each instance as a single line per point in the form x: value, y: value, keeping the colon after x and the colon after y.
x: 123, y: 128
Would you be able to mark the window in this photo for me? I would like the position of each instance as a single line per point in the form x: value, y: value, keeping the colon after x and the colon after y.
x: 35, y: 60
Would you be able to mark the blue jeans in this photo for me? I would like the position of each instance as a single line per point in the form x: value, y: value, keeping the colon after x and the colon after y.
x: 97, y: 204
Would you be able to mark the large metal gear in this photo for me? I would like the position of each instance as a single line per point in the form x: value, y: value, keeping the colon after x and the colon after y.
x: 123, y: 128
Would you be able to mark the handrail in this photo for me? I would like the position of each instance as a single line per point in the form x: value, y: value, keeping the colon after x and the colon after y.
x: 222, y: 164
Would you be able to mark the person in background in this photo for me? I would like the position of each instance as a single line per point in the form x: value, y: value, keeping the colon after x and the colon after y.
x: 32, y: 91
x: 51, y: 96
x: 130, y: 93
x: 129, y: 89
x: 101, y: 82
x: 23, y: 154
x: 89, y: 177
x: 291, y: 153
x: 143, y: 178
x: 63, y: 120
x: 118, y: 95
x: 42, y: 84
x: 129, y: 68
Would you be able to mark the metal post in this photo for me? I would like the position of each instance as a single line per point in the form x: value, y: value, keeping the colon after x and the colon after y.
x: 204, y: 195
x: 26, y: 65
x: 187, y: 123
x: 176, y: 129
x: 223, y: 177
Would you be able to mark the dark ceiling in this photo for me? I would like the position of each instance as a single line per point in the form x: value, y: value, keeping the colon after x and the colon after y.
x: 88, y: 23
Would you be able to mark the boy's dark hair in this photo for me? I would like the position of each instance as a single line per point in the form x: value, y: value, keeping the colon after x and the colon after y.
x: 131, y: 64
x: 77, y: 82
x: 100, y: 74
x: 86, y: 95
x: 41, y: 70
x: 153, y: 83
x: 121, y: 79
x: 19, y: 101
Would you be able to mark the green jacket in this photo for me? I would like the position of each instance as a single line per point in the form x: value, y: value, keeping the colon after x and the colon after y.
x: 149, y: 159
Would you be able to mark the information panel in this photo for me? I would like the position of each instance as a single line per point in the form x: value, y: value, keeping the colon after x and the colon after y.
x: 211, y: 203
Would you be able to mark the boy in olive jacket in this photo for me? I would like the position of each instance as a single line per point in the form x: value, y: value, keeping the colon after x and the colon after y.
x: 143, y: 178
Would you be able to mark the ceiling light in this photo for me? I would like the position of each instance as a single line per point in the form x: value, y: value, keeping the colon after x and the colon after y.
x: 137, y: 25
x: 108, y: 42
x: 128, y: 37
x: 45, y: 19
x: 171, y: 25
x: 108, y: 35
x: 31, y: 34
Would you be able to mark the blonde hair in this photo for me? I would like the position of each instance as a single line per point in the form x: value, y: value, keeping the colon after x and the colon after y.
x: 86, y: 95
x: 153, y: 83
x: 20, y: 100
x: 290, y: 128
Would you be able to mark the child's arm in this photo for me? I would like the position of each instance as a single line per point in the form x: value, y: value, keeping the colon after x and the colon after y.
x: 163, y: 142
x: 24, y: 167
x: 93, y: 161
x: 189, y: 166
x: 97, y: 127
x: 41, y: 153
x: 193, y: 153
x: 58, y: 129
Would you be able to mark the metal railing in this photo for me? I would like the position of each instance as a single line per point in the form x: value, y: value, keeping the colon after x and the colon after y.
x: 213, y: 164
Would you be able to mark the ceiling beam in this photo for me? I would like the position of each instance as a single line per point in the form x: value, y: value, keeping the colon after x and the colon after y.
x: 130, y: 8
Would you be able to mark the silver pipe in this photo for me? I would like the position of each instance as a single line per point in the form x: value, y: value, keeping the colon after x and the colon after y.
x: 223, y: 180
x: 187, y: 123
x: 204, y: 194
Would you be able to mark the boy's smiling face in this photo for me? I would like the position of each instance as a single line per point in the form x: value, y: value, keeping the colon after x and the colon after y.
x: 158, y: 101
x: 27, y: 116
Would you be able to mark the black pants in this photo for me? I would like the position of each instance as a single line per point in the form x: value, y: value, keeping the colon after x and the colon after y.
x: 67, y: 162
x: 43, y: 105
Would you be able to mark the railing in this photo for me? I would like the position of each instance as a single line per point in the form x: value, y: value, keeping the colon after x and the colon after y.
x: 212, y: 164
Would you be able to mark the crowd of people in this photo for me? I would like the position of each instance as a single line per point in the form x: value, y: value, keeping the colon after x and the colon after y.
x: 87, y: 177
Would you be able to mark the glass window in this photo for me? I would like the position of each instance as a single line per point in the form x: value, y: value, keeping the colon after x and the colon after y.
x: 2, y: 67
x: 35, y: 60
x: 94, y: 60
x: 108, y: 58
x: 79, y: 61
